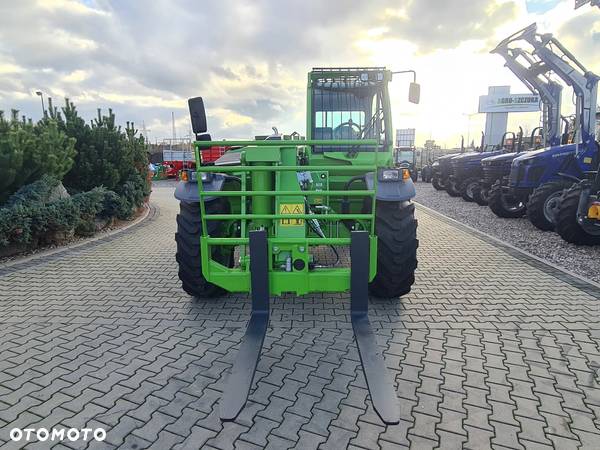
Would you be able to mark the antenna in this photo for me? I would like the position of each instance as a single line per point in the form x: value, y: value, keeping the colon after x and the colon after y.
x: 145, y: 132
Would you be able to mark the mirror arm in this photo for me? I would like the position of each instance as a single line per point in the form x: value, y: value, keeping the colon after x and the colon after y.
x: 408, y: 71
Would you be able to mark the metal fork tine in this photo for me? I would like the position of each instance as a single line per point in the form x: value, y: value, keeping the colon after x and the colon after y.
x: 238, y: 386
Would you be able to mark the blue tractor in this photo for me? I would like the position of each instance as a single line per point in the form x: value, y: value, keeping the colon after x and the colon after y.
x: 441, y: 168
x: 467, y: 170
x: 538, y: 178
x: 578, y: 217
x: 497, y: 169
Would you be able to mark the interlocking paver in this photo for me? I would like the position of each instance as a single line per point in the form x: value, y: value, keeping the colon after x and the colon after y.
x: 103, y: 334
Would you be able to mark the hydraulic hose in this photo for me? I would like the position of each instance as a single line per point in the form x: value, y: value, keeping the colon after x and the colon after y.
x: 345, y: 200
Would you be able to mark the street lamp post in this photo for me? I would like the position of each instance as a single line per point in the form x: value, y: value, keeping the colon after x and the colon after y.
x: 469, y: 115
x: 40, y: 93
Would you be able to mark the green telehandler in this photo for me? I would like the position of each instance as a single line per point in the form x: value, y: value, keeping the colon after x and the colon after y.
x: 263, y: 217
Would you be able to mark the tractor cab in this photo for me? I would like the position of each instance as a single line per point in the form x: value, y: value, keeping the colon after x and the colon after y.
x: 346, y: 104
x: 351, y: 104
x: 407, y: 157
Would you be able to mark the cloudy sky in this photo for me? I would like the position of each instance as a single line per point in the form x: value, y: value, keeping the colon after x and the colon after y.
x: 249, y: 59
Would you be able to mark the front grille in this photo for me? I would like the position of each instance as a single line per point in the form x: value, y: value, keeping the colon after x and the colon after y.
x: 535, y: 173
x: 460, y: 171
x: 445, y: 169
x: 516, y: 175
x: 491, y: 173
x: 466, y: 169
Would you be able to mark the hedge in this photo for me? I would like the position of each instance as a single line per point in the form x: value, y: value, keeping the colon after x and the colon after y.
x: 103, y: 166
x: 30, y: 218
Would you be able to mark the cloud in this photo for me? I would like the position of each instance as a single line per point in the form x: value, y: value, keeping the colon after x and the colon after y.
x: 248, y: 59
x: 433, y: 24
x: 581, y: 35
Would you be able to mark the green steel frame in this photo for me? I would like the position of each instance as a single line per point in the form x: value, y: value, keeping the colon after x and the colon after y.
x: 267, y: 174
x: 303, y: 281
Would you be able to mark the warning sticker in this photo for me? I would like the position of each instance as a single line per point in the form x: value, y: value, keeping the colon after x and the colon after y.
x: 291, y: 208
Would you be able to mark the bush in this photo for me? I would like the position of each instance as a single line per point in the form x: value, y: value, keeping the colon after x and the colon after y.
x: 60, y: 216
x: 133, y: 193
x: 15, y: 225
x: 28, y: 151
x: 38, y: 191
x: 31, y: 215
x: 105, y: 166
x: 106, y: 155
x: 89, y: 204
x: 111, y: 205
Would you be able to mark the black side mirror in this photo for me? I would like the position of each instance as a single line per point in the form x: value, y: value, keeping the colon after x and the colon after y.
x: 197, y: 115
x: 414, y: 93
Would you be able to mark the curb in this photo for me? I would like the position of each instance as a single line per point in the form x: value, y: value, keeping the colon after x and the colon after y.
x: 151, y: 212
x: 590, y: 287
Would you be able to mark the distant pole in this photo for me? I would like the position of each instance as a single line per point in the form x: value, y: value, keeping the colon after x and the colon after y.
x: 469, y: 116
x: 40, y: 93
x: 173, y: 121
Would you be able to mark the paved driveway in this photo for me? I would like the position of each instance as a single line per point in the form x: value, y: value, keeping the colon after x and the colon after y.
x: 491, y: 349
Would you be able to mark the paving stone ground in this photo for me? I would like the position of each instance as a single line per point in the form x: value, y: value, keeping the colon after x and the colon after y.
x: 489, y: 350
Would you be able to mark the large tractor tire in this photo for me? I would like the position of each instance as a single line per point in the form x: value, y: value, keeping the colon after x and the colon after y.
x: 452, y: 189
x: 397, y: 243
x: 437, y: 185
x: 187, y: 237
x: 566, y: 220
x: 503, y: 205
x: 467, y: 188
x: 544, y: 202
x: 481, y: 195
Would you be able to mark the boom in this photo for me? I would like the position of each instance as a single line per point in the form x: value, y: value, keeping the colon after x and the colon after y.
x: 550, y: 53
x: 580, y: 3
x: 536, y: 77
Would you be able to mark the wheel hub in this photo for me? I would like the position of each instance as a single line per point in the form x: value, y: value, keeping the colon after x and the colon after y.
x: 551, y: 207
x: 510, y: 204
x: 470, y: 188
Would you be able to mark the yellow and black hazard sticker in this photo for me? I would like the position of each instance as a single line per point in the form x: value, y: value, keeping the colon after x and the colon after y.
x: 291, y: 208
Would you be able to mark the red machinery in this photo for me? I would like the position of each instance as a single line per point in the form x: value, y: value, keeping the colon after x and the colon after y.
x: 211, y: 154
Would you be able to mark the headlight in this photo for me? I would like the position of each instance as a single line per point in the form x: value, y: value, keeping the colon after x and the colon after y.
x: 389, y: 175
x: 205, y: 177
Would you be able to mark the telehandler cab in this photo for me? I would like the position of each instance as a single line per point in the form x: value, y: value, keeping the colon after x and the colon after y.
x: 259, y: 219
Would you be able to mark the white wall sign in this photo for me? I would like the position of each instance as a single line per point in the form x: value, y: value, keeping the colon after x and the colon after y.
x: 509, y: 103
